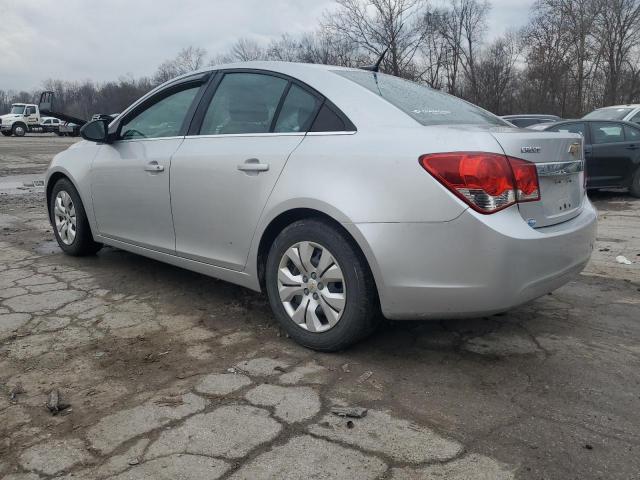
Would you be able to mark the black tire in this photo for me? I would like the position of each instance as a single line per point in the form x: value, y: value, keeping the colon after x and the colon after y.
x: 19, y: 132
x: 6, y: 133
x: 361, y: 313
x: 83, y: 243
x: 634, y: 188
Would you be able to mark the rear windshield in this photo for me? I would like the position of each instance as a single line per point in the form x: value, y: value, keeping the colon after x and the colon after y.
x: 609, y: 113
x: 423, y: 104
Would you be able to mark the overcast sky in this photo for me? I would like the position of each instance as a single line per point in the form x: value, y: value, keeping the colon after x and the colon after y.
x: 105, y: 39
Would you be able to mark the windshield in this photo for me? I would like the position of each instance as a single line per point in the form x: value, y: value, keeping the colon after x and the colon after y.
x: 610, y: 113
x: 17, y: 109
x: 423, y: 104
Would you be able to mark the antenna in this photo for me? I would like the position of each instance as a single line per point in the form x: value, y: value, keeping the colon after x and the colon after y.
x: 376, y: 67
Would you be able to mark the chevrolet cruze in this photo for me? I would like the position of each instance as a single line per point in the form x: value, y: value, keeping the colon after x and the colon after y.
x: 342, y: 193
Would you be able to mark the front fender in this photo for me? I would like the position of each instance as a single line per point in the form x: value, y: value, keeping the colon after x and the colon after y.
x: 75, y: 164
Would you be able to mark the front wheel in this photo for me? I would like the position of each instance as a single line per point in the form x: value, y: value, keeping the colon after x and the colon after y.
x: 69, y: 220
x: 19, y: 130
x: 6, y: 133
x: 320, y: 287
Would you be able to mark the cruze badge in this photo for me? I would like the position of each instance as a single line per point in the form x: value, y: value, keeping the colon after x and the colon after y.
x: 530, y: 149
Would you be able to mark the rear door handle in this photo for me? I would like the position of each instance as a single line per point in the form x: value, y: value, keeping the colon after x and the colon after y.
x: 632, y: 147
x: 153, y: 167
x: 253, y: 165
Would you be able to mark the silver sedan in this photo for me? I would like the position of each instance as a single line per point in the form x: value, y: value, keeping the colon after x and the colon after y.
x: 345, y: 194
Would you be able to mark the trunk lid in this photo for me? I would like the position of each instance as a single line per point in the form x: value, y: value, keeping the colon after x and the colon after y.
x: 560, y: 165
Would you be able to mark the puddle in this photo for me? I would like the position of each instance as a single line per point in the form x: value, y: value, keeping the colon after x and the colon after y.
x: 47, y: 248
x: 21, y: 184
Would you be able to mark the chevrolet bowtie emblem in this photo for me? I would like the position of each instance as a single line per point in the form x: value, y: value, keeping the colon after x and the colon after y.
x: 574, y: 149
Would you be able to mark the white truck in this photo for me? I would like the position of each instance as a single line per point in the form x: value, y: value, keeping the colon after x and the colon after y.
x: 23, y: 118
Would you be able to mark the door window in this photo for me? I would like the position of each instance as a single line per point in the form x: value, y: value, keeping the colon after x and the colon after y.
x: 30, y: 111
x: 244, y: 103
x: 607, y: 132
x: 631, y: 134
x: 569, y: 128
x: 162, y: 119
x: 297, y: 111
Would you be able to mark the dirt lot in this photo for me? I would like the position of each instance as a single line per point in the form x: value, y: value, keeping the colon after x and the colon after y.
x: 172, y: 375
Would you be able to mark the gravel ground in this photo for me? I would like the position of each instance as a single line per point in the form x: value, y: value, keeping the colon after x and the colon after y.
x: 170, y: 374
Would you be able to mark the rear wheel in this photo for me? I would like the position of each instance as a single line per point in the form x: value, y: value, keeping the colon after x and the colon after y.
x: 19, y: 130
x: 69, y: 219
x: 320, y: 287
x: 634, y: 188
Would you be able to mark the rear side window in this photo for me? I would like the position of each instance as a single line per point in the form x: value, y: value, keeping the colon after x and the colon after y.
x: 570, y: 128
x: 423, y: 104
x: 297, y: 111
x: 631, y: 134
x: 243, y: 103
x: 329, y: 121
x: 607, y: 133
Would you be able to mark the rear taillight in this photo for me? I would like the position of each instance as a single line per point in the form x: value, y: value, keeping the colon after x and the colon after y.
x: 488, y: 182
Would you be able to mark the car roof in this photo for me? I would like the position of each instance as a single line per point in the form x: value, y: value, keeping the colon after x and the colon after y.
x: 532, y: 115
x: 628, y: 105
x: 594, y: 120
x: 347, y: 95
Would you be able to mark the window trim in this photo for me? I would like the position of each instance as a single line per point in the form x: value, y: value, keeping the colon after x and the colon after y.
x: 177, y: 86
x: 614, y: 123
x: 204, y: 102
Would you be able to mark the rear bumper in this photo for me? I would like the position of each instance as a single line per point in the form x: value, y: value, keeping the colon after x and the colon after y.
x: 474, y: 265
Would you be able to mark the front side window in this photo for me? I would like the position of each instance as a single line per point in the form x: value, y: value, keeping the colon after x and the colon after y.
x: 162, y: 119
x: 569, y: 128
x: 425, y: 105
x: 243, y: 103
x: 297, y: 111
x: 30, y: 111
x: 607, y: 133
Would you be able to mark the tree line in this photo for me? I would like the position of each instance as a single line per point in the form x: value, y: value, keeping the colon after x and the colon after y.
x: 571, y: 57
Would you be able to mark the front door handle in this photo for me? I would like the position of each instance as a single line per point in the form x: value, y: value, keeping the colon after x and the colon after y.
x: 153, y: 167
x: 632, y: 147
x: 253, y: 165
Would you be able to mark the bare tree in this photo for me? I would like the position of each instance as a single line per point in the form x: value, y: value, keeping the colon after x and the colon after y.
x: 377, y: 25
x: 618, y: 30
x: 495, y: 73
x: 188, y: 59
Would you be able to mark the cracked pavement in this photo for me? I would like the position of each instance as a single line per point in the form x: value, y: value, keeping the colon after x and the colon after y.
x: 172, y: 375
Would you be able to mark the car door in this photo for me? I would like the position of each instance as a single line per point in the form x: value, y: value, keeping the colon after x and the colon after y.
x: 130, y: 177
x: 31, y: 117
x: 247, y: 125
x: 611, y: 154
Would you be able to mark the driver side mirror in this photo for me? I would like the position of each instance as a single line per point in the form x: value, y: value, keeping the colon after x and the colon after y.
x: 96, y: 131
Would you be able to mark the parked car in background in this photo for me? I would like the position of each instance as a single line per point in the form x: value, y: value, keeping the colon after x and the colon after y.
x: 69, y: 129
x: 50, y: 124
x: 524, y: 121
x: 629, y: 113
x: 106, y: 116
x: 612, y: 152
x: 340, y: 192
